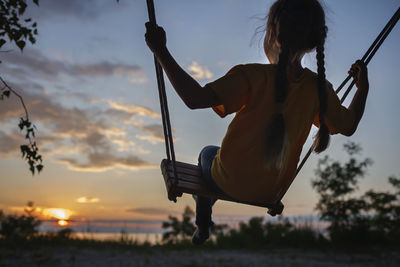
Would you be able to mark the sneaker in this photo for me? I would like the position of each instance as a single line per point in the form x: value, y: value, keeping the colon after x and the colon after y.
x: 201, y: 235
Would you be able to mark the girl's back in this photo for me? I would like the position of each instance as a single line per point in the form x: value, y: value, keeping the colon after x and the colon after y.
x: 249, y: 90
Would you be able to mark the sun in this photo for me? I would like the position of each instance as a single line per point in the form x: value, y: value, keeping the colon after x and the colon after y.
x: 61, y: 214
x: 62, y: 222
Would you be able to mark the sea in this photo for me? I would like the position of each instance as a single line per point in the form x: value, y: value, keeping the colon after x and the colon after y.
x: 141, y: 231
x: 151, y: 231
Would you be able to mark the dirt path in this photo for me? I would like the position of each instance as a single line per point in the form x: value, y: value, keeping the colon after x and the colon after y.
x: 78, y: 257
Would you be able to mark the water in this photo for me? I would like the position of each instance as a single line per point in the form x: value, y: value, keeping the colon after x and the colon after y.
x: 150, y: 230
x: 134, y: 237
x: 103, y: 230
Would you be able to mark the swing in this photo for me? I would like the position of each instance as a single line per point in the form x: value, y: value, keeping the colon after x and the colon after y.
x: 187, y: 178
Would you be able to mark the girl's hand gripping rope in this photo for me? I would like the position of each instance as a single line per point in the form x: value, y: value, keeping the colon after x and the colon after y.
x: 359, y: 72
x: 155, y: 38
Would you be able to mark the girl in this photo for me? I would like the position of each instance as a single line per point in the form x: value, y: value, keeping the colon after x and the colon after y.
x: 275, y: 105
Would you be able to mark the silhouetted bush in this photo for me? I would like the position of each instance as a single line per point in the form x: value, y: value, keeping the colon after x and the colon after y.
x: 179, y: 230
x: 19, y: 227
x: 259, y: 234
x: 373, y: 218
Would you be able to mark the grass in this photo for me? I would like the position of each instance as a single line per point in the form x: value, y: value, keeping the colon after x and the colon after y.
x: 41, y: 251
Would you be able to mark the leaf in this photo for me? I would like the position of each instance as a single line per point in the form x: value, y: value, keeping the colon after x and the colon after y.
x: 22, y: 7
x: 32, y: 169
x: 2, y: 42
x: 6, y: 93
x: 24, y: 150
x: 21, y: 44
x: 39, y: 168
x: 27, y: 123
x: 32, y: 39
x: 21, y: 124
x: 29, y: 133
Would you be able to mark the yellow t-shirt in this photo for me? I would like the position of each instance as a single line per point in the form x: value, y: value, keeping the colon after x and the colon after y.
x: 249, y: 90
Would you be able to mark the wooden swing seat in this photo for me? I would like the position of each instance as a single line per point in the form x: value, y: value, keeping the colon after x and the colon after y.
x: 190, y: 182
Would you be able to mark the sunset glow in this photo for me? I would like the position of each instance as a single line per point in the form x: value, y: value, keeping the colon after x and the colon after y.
x: 87, y: 200
x: 61, y: 214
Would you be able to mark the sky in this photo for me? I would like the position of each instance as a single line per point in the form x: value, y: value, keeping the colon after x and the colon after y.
x: 89, y: 85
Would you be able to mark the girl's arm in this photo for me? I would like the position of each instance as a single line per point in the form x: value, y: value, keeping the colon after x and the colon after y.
x: 345, y: 120
x: 190, y: 91
x: 360, y: 73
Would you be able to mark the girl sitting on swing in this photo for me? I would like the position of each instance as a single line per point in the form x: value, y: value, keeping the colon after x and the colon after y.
x: 275, y: 104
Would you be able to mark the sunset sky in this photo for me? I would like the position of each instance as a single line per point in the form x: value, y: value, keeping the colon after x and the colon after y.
x: 90, y: 88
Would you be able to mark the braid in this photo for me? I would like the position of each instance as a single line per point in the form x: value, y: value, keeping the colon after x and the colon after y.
x: 276, y: 129
x: 300, y: 27
x: 322, y: 138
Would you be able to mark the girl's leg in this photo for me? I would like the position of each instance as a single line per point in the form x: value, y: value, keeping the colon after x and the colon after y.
x: 203, y: 211
x: 204, y: 204
x: 203, y: 219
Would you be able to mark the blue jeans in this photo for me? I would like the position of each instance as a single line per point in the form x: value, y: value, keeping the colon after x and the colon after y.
x: 204, y: 204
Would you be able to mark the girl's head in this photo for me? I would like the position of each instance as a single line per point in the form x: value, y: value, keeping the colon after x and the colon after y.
x: 294, y: 27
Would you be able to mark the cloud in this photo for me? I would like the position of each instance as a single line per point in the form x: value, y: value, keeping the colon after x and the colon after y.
x: 33, y: 61
x: 134, y: 109
x: 83, y: 139
x: 123, y: 143
x: 97, y: 162
x: 102, y: 69
x: 97, y: 141
x: 86, y: 200
x: 139, y: 79
x: 88, y: 9
x: 149, y: 138
x: 199, y: 72
x: 9, y: 142
x: 77, y: 95
x: 57, y: 213
x: 155, y: 130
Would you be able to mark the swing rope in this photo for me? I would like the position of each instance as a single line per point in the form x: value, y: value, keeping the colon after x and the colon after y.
x: 169, y: 143
x: 373, y: 48
x: 164, y: 104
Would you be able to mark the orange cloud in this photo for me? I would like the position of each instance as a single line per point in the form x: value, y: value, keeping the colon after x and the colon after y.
x: 98, y: 162
x: 134, y: 109
x: 86, y: 200
x: 199, y: 72
x: 155, y: 131
x: 57, y: 213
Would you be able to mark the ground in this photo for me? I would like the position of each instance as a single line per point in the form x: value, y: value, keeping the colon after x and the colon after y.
x: 77, y: 257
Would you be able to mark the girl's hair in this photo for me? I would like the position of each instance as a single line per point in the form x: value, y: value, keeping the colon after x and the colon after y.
x: 300, y: 28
